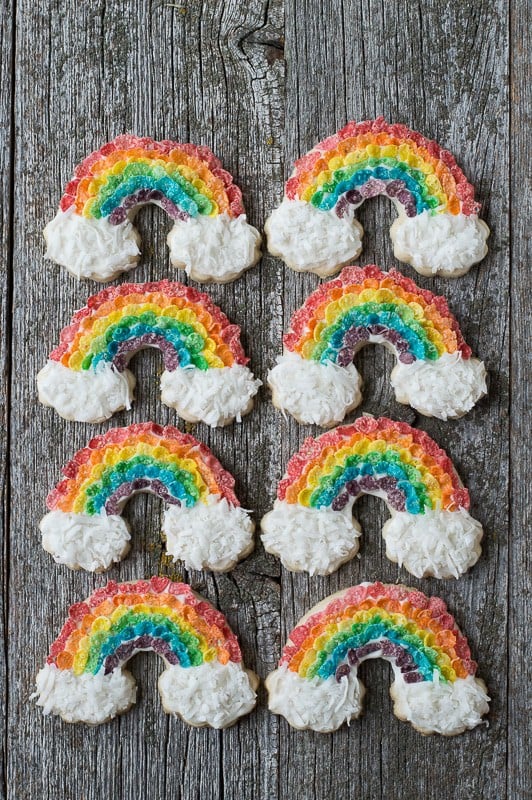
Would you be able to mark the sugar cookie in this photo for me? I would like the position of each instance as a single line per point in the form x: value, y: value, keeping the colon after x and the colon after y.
x: 438, y: 230
x: 430, y: 533
x: 204, y: 524
x: 93, y: 236
x: 434, y: 685
x: 205, y: 377
x: 204, y: 682
x: 315, y: 379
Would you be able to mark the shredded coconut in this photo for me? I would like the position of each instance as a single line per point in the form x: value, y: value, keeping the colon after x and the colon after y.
x: 440, y: 244
x: 214, y: 248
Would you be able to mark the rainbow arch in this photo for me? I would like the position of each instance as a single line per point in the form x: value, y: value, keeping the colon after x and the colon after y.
x: 434, y: 687
x: 437, y: 231
x: 315, y: 379
x: 431, y: 533
x: 84, y: 679
x: 205, y: 377
x: 204, y: 524
x: 92, y: 233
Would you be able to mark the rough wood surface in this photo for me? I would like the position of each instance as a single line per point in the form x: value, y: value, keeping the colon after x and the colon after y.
x: 260, y: 82
x: 519, y: 701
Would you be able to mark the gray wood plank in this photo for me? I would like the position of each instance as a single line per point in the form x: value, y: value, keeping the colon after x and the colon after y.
x: 221, y: 74
x: 7, y: 28
x: 520, y: 612
x: 187, y: 72
x: 441, y: 68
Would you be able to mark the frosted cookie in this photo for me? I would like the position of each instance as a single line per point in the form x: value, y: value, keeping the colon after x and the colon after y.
x: 315, y: 379
x: 93, y: 236
x: 205, y: 682
x: 204, y: 524
x: 437, y: 231
x: 431, y: 533
x: 434, y: 685
x: 205, y: 375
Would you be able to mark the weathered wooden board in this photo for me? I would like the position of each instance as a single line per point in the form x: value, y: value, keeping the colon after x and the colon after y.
x: 519, y: 700
x: 6, y: 141
x: 260, y: 82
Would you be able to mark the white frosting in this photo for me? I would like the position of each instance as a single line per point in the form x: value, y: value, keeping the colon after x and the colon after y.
x: 208, y: 248
x: 85, y: 395
x: 322, y: 705
x: 440, y: 244
x: 311, y: 539
x: 321, y: 394
x: 446, y: 388
x: 446, y: 708
x: 91, y: 248
x: 308, y: 239
x: 84, y: 698
x: 208, y: 536
x: 214, y: 396
x: 84, y: 541
x: 440, y: 544
x: 210, y: 694
x: 214, y: 248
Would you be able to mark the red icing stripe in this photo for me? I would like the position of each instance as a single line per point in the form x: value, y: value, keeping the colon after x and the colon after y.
x: 312, y: 449
x: 356, y: 595
x: 464, y: 190
x: 129, y: 142
x: 229, y: 333
x: 157, y: 585
x: 356, y: 276
x: 116, y: 436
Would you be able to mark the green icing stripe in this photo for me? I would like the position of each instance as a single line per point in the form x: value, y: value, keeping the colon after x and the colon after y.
x: 393, y: 316
x: 372, y: 164
x: 388, y: 463
x: 334, y: 653
x: 179, y: 483
x: 134, y: 174
x: 131, y: 625
x: 186, y: 341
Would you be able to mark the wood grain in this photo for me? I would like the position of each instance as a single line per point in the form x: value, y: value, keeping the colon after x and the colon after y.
x: 260, y: 82
x: 7, y: 29
x: 519, y: 694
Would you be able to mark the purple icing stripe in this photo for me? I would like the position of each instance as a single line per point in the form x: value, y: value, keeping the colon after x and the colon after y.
x: 356, y: 336
x: 119, y: 214
x: 368, y: 484
x: 396, y: 189
x: 128, y: 649
x: 386, y: 649
x: 129, y: 346
x: 125, y: 490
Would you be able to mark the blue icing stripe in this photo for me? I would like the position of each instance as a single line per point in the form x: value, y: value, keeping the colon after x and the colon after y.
x: 172, y: 636
x: 390, y: 316
x: 179, y: 335
x: 328, y: 194
x: 373, y: 632
x: 178, y: 194
x: 175, y: 481
x: 358, y: 466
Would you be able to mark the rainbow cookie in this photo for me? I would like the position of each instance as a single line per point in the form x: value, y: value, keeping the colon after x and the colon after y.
x: 205, y: 377
x: 434, y: 687
x: 430, y: 533
x: 204, y: 524
x: 437, y: 231
x: 315, y: 379
x: 92, y: 234
x: 204, y: 682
